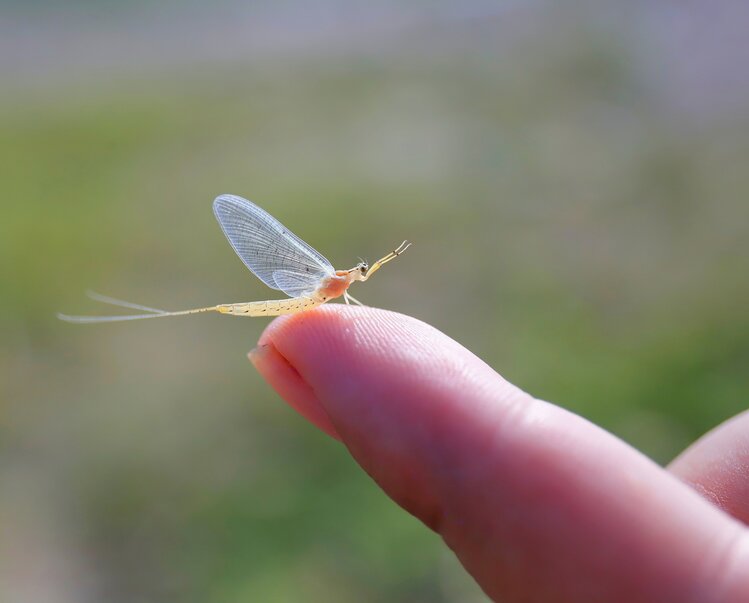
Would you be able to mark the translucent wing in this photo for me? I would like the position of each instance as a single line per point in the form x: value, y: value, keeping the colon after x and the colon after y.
x: 270, y: 250
x: 292, y: 283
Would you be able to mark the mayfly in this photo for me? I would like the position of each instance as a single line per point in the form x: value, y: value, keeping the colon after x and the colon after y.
x: 276, y: 256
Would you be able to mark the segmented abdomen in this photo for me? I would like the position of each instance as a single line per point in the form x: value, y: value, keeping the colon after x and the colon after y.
x: 272, y: 307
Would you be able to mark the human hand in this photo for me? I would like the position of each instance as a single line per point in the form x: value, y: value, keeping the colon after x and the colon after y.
x: 537, y: 503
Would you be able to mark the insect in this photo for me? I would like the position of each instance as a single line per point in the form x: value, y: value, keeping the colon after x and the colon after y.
x: 276, y: 256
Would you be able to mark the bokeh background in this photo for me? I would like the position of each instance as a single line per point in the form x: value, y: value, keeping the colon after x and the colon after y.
x: 573, y: 176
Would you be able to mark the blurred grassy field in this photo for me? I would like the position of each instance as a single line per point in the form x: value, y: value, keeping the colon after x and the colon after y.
x: 567, y: 227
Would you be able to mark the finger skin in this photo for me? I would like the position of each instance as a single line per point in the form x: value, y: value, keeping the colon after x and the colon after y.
x: 538, y: 504
x: 717, y: 466
x: 291, y: 387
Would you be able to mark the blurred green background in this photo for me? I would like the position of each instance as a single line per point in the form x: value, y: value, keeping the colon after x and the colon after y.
x: 573, y: 176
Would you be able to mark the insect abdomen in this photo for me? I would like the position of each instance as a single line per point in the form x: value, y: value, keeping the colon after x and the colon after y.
x: 273, y: 307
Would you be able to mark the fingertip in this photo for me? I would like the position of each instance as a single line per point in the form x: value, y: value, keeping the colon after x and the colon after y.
x: 256, y: 354
x: 290, y: 385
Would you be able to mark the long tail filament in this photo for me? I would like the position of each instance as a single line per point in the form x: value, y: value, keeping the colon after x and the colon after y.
x: 151, y: 312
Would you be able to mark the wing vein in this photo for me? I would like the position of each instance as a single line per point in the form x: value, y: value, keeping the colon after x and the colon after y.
x: 271, y: 251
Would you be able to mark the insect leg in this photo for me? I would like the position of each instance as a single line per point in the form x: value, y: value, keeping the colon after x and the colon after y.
x: 353, y: 299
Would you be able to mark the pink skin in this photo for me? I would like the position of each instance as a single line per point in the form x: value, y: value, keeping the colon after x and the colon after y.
x: 717, y: 466
x: 537, y: 503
